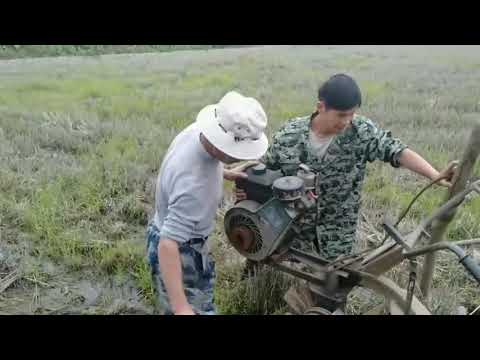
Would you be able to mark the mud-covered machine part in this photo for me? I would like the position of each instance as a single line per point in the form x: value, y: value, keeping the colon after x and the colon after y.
x: 264, y: 225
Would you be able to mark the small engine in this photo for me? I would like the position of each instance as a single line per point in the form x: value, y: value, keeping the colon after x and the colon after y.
x: 264, y: 224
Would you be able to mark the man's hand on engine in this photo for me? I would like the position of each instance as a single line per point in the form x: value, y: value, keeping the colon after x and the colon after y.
x: 238, y: 171
x: 240, y: 194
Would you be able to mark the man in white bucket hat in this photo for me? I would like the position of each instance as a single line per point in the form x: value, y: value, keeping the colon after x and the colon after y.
x: 188, y: 194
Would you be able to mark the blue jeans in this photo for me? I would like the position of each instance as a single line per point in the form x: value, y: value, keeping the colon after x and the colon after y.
x: 198, y: 281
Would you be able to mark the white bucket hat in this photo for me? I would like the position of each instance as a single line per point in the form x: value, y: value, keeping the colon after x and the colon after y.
x: 235, y: 126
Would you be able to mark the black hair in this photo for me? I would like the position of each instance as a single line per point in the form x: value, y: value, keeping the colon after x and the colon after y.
x: 340, y: 92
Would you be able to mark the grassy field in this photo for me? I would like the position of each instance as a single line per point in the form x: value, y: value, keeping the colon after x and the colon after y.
x: 82, y: 139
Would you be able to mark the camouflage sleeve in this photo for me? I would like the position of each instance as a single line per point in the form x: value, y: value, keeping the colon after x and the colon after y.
x: 283, y: 152
x: 271, y: 158
x: 381, y: 145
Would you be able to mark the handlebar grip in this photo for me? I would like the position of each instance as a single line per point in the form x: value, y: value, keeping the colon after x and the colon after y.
x: 471, y: 265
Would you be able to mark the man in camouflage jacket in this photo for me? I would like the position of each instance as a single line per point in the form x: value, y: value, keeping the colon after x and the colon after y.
x: 336, y: 143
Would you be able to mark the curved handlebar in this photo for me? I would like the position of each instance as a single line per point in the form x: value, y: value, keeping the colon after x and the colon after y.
x: 466, y: 260
x: 471, y: 265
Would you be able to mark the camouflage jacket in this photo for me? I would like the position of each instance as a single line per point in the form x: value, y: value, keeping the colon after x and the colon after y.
x: 340, y: 173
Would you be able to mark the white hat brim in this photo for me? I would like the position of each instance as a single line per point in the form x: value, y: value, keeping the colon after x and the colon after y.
x: 241, y: 150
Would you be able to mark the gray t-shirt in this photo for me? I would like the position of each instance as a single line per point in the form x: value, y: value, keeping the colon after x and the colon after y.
x: 189, y: 189
x: 319, y: 144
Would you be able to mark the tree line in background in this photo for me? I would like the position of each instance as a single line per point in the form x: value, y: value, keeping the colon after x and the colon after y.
x: 26, y: 51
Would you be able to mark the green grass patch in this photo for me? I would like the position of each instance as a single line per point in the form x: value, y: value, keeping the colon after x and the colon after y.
x: 261, y: 294
x: 195, y: 82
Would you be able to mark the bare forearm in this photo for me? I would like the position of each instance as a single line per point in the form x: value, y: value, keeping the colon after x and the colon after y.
x: 171, y: 269
x: 414, y: 162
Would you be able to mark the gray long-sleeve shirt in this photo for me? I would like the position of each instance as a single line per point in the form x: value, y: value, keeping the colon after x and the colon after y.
x: 189, y: 189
